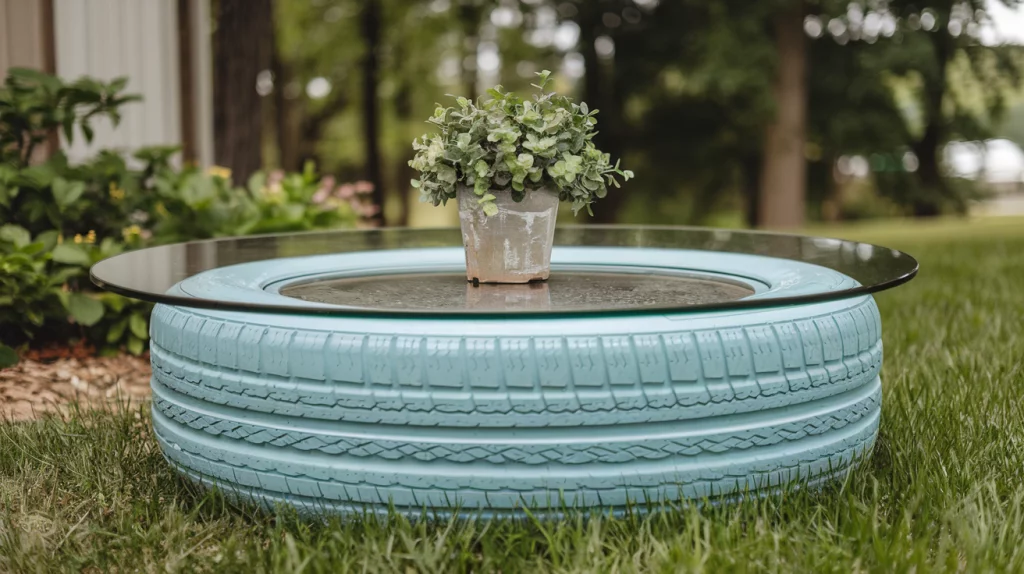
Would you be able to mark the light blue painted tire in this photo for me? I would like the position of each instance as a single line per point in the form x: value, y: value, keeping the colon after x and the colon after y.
x: 353, y: 414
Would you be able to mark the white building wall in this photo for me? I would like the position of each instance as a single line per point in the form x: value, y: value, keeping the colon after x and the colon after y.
x: 106, y: 39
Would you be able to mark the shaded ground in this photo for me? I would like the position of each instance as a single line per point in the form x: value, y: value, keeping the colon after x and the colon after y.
x: 38, y: 386
x: 89, y: 491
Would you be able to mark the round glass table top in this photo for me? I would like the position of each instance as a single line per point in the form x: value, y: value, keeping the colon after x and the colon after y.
x: 595, y: 270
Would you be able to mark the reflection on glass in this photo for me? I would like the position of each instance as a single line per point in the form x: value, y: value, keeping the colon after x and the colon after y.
x: 535, y: 295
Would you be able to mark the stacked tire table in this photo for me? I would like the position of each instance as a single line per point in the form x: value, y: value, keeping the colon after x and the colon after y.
x: 357, y: 370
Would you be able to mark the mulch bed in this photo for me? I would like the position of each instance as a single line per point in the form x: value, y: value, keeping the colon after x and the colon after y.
x: 47, y: 380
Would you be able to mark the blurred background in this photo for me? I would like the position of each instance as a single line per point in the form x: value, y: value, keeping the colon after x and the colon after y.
x: 774, y: 113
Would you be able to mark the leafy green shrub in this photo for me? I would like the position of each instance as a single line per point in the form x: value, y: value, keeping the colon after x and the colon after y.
x: 196, y: 205
x: 515, y: 145
x: 58, y: 219
x: 44, y: 285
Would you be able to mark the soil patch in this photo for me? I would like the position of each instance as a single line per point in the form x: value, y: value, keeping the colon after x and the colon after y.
x: 41, y: 383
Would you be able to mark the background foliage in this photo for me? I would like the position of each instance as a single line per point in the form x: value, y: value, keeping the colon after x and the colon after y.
x: 684, y: 88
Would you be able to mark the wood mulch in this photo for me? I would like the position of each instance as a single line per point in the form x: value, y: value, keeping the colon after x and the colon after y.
x: 49, y: 379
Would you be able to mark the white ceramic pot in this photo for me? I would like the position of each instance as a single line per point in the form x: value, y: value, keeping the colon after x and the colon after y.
x: 513, y: 245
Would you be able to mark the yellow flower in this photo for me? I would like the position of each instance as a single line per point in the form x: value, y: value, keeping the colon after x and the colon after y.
x: 91, y: 236
x: 78, y: 238
x: 131, y: 231
x: 218, y: 171
x: 116, y: 193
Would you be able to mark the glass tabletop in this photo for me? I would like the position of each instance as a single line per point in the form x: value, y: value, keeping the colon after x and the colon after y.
x: 595, y: 269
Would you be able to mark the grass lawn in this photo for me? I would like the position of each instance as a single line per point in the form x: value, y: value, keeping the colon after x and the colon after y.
x: 943, y: 491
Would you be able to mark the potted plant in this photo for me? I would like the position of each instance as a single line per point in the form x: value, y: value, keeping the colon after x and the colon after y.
x: 509, y: 161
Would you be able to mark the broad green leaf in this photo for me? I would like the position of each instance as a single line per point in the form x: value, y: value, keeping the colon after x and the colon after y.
x: 490, y: 209
x: 8, y: 357
x: 86, y: 310
x: 65, y: 193
x: 135, y: 345
x: 37, y: 176
x: 113, y: 302
x: 33, y: 248
x: 117, y: 331
x: 48, y: 239
x: 137, y: 323
x: 15, y: 234
x: 70, y: 254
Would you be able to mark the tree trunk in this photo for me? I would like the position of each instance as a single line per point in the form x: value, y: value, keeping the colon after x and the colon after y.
x: 598, y: 96
x: 243, y: 44
x: 469, y: 15
x: 934, y: 189
x: 371, y: 24
x: 288, y: 118
x: 750, y: 173
x: 782, y: 201
x: 403, y: 112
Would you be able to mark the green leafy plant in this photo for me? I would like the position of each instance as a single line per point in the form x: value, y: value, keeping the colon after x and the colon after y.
x: 193, y: 204
x: 31, y: 281
x: 508, y: 144
x: 61, y: 218
x: 34, y: 104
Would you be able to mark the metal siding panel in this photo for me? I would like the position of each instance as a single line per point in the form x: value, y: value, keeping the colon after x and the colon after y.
x: 104, y: 62
x: 152, y: 75
x: 132, y: 48
x: 106, y: 39
x: 24, y: 34
x: 202, y: 66
x: 5, y: 23
x: 72, y: 31
x: 171, y: 69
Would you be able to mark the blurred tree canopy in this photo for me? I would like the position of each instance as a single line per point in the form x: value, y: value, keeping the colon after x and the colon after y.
x: 690, y: 91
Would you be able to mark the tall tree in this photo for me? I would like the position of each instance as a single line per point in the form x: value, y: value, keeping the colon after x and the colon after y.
x: 468, y: 13
x: 242, y: 48
x: 371, y: 30
x: 782, y: 196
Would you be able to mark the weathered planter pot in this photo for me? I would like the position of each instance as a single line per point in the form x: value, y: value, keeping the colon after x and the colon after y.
x: 512, y: 246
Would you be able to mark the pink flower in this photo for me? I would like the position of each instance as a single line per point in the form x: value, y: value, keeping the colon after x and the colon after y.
x: 321, y: 195
x: 368, y: 209
x: 345, y: 191
x: 363, y: 187
x: 276, y: 176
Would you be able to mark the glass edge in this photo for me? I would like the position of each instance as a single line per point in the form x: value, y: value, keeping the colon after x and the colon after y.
x: 741, y: 304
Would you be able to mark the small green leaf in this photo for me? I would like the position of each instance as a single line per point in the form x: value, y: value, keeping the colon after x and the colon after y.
x: 446, y: 173
x: 486, y: 198
x: 490, y: 209
x: 138, y: 326
x: 481, y: 168
x: 86, y: 310
x: 71, y: 254
x: 415, y: 183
